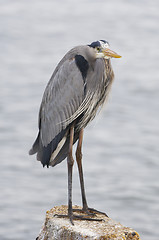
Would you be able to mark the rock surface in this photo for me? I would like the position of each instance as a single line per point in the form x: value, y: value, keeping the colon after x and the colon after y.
x: 56, y: 228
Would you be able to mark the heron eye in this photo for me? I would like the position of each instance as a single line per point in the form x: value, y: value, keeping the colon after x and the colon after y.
x: 98, y: 49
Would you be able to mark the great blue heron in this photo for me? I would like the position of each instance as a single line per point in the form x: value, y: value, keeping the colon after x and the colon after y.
x: 78, y: 87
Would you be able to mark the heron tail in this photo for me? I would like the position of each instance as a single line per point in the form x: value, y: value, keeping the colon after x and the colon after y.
x: 35, y: 146
x: 56, y: 151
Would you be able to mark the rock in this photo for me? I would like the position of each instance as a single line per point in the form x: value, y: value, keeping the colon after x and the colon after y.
x: 56, y: 228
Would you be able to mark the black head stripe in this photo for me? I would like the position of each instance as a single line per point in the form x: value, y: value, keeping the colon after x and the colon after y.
x: 95, y: 44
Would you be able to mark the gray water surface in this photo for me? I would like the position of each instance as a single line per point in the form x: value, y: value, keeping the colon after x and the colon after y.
x: 120, y: 153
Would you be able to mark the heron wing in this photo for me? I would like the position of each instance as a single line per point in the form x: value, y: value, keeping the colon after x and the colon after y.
x: 62, y: 97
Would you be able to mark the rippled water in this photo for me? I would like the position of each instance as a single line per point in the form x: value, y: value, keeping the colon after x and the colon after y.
x: 121, y: 153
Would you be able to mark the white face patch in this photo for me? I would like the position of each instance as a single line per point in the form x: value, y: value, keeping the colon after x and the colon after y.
x: 104, y: 45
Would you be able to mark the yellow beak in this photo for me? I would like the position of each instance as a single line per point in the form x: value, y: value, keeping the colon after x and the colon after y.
x: 109, y: 53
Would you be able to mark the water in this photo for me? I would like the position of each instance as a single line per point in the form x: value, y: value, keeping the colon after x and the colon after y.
x: 121, y: 154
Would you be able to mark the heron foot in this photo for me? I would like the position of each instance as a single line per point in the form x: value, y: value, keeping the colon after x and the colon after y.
x: 78, y: 217
x: 90, y: 211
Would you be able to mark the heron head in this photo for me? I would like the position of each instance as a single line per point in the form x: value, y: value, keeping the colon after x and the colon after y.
x: 102, y: 50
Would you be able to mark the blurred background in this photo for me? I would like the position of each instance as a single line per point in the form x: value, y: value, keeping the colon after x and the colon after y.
x: 120, y: 153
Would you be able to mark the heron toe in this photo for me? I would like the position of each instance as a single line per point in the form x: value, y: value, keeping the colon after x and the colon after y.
x: 90, y: 211
x: 79, y: 217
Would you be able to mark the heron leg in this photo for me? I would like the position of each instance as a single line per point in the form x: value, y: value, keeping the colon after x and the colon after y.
x: 70, y: 162
x: 89, y: 211
x: 80, y: 169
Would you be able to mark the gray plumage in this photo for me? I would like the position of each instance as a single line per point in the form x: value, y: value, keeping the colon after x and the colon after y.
x: 78, y: 87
